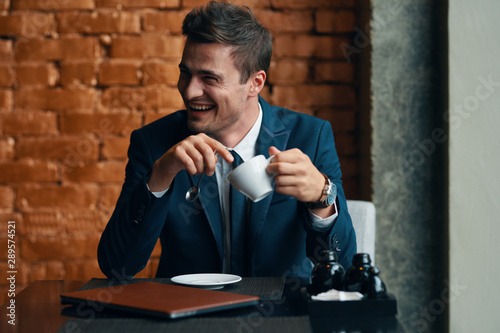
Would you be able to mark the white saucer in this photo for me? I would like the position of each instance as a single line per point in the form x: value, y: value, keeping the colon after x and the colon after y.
x: 206, y: 280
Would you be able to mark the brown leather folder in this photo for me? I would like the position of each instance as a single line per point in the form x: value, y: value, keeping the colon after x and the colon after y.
x: 159, y: 299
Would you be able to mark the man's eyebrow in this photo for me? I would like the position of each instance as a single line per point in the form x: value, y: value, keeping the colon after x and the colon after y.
x: 202, y: 71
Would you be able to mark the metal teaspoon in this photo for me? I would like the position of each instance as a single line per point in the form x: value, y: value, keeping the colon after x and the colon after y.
x: 194, y: 191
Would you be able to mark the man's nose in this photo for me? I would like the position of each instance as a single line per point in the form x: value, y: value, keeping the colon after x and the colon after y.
x: 193, y: 88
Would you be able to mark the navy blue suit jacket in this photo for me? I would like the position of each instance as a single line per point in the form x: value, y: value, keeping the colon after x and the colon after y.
x: 280, y: 238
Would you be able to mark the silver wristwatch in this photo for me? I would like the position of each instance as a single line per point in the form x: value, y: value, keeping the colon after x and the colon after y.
x: 327, y: 198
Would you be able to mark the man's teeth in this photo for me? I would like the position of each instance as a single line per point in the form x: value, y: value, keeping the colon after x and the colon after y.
x: 201, y: 107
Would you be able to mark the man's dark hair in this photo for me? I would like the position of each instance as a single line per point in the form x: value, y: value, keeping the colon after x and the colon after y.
x: 225, y: 23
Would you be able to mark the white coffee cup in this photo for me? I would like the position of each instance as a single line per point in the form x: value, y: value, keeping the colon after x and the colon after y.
x: 251, y: 178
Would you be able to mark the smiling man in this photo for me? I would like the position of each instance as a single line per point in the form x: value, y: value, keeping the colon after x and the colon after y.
x: 222, y: 71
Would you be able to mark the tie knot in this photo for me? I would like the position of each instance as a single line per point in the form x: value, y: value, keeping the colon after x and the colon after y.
x: 237, y: 159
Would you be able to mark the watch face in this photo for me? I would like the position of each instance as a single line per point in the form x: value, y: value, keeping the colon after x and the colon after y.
x: 332, y: 194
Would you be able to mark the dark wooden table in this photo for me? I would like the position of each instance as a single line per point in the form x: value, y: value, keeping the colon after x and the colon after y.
x: 38, y: 309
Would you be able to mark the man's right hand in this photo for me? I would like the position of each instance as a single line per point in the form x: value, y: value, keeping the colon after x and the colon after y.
x: 195, y: 154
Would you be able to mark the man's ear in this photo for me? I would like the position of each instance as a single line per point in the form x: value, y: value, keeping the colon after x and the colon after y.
x: 257, y: 81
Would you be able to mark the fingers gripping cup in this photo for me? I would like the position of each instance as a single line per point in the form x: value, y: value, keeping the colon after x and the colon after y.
x: 251, y: 178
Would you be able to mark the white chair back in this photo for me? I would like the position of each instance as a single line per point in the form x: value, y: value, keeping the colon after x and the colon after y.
x: 363, y: 220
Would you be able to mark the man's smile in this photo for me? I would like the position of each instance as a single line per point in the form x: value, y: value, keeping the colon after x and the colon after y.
x: 200, y: 107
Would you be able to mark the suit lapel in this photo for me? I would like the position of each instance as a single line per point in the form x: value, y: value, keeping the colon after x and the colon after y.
x: 273, y: 133
x: 209, y: 200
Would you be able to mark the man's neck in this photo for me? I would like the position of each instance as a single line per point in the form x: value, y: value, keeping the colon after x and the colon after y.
x: 232, y: 139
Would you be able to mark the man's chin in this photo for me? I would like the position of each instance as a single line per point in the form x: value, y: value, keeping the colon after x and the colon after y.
x: 199, y: 127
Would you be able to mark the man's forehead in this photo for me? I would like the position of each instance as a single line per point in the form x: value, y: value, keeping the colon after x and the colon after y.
x: 226, y: 49
x: 208, y: 58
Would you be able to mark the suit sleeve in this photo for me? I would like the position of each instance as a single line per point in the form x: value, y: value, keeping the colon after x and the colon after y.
x: 136, y: 223
x: 340, y: 237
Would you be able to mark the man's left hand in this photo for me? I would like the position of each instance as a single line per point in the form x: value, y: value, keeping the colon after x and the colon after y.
x: 296, y: 175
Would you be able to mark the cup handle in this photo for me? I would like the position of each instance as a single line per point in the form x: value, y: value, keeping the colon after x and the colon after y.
x: 269, y: 161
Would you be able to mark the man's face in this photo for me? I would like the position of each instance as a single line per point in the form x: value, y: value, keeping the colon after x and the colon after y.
x: 210, y: 86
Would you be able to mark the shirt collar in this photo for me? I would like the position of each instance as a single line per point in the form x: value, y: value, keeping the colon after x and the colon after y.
x: 246, y: 147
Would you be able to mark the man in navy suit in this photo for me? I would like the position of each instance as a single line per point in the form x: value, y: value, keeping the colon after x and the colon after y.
x: 223, y: 69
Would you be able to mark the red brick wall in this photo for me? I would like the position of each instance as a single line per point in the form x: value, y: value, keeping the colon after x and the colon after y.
x: 77, y: 76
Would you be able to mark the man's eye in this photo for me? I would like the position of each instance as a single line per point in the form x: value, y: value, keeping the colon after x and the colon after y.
x: 210, y: 79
